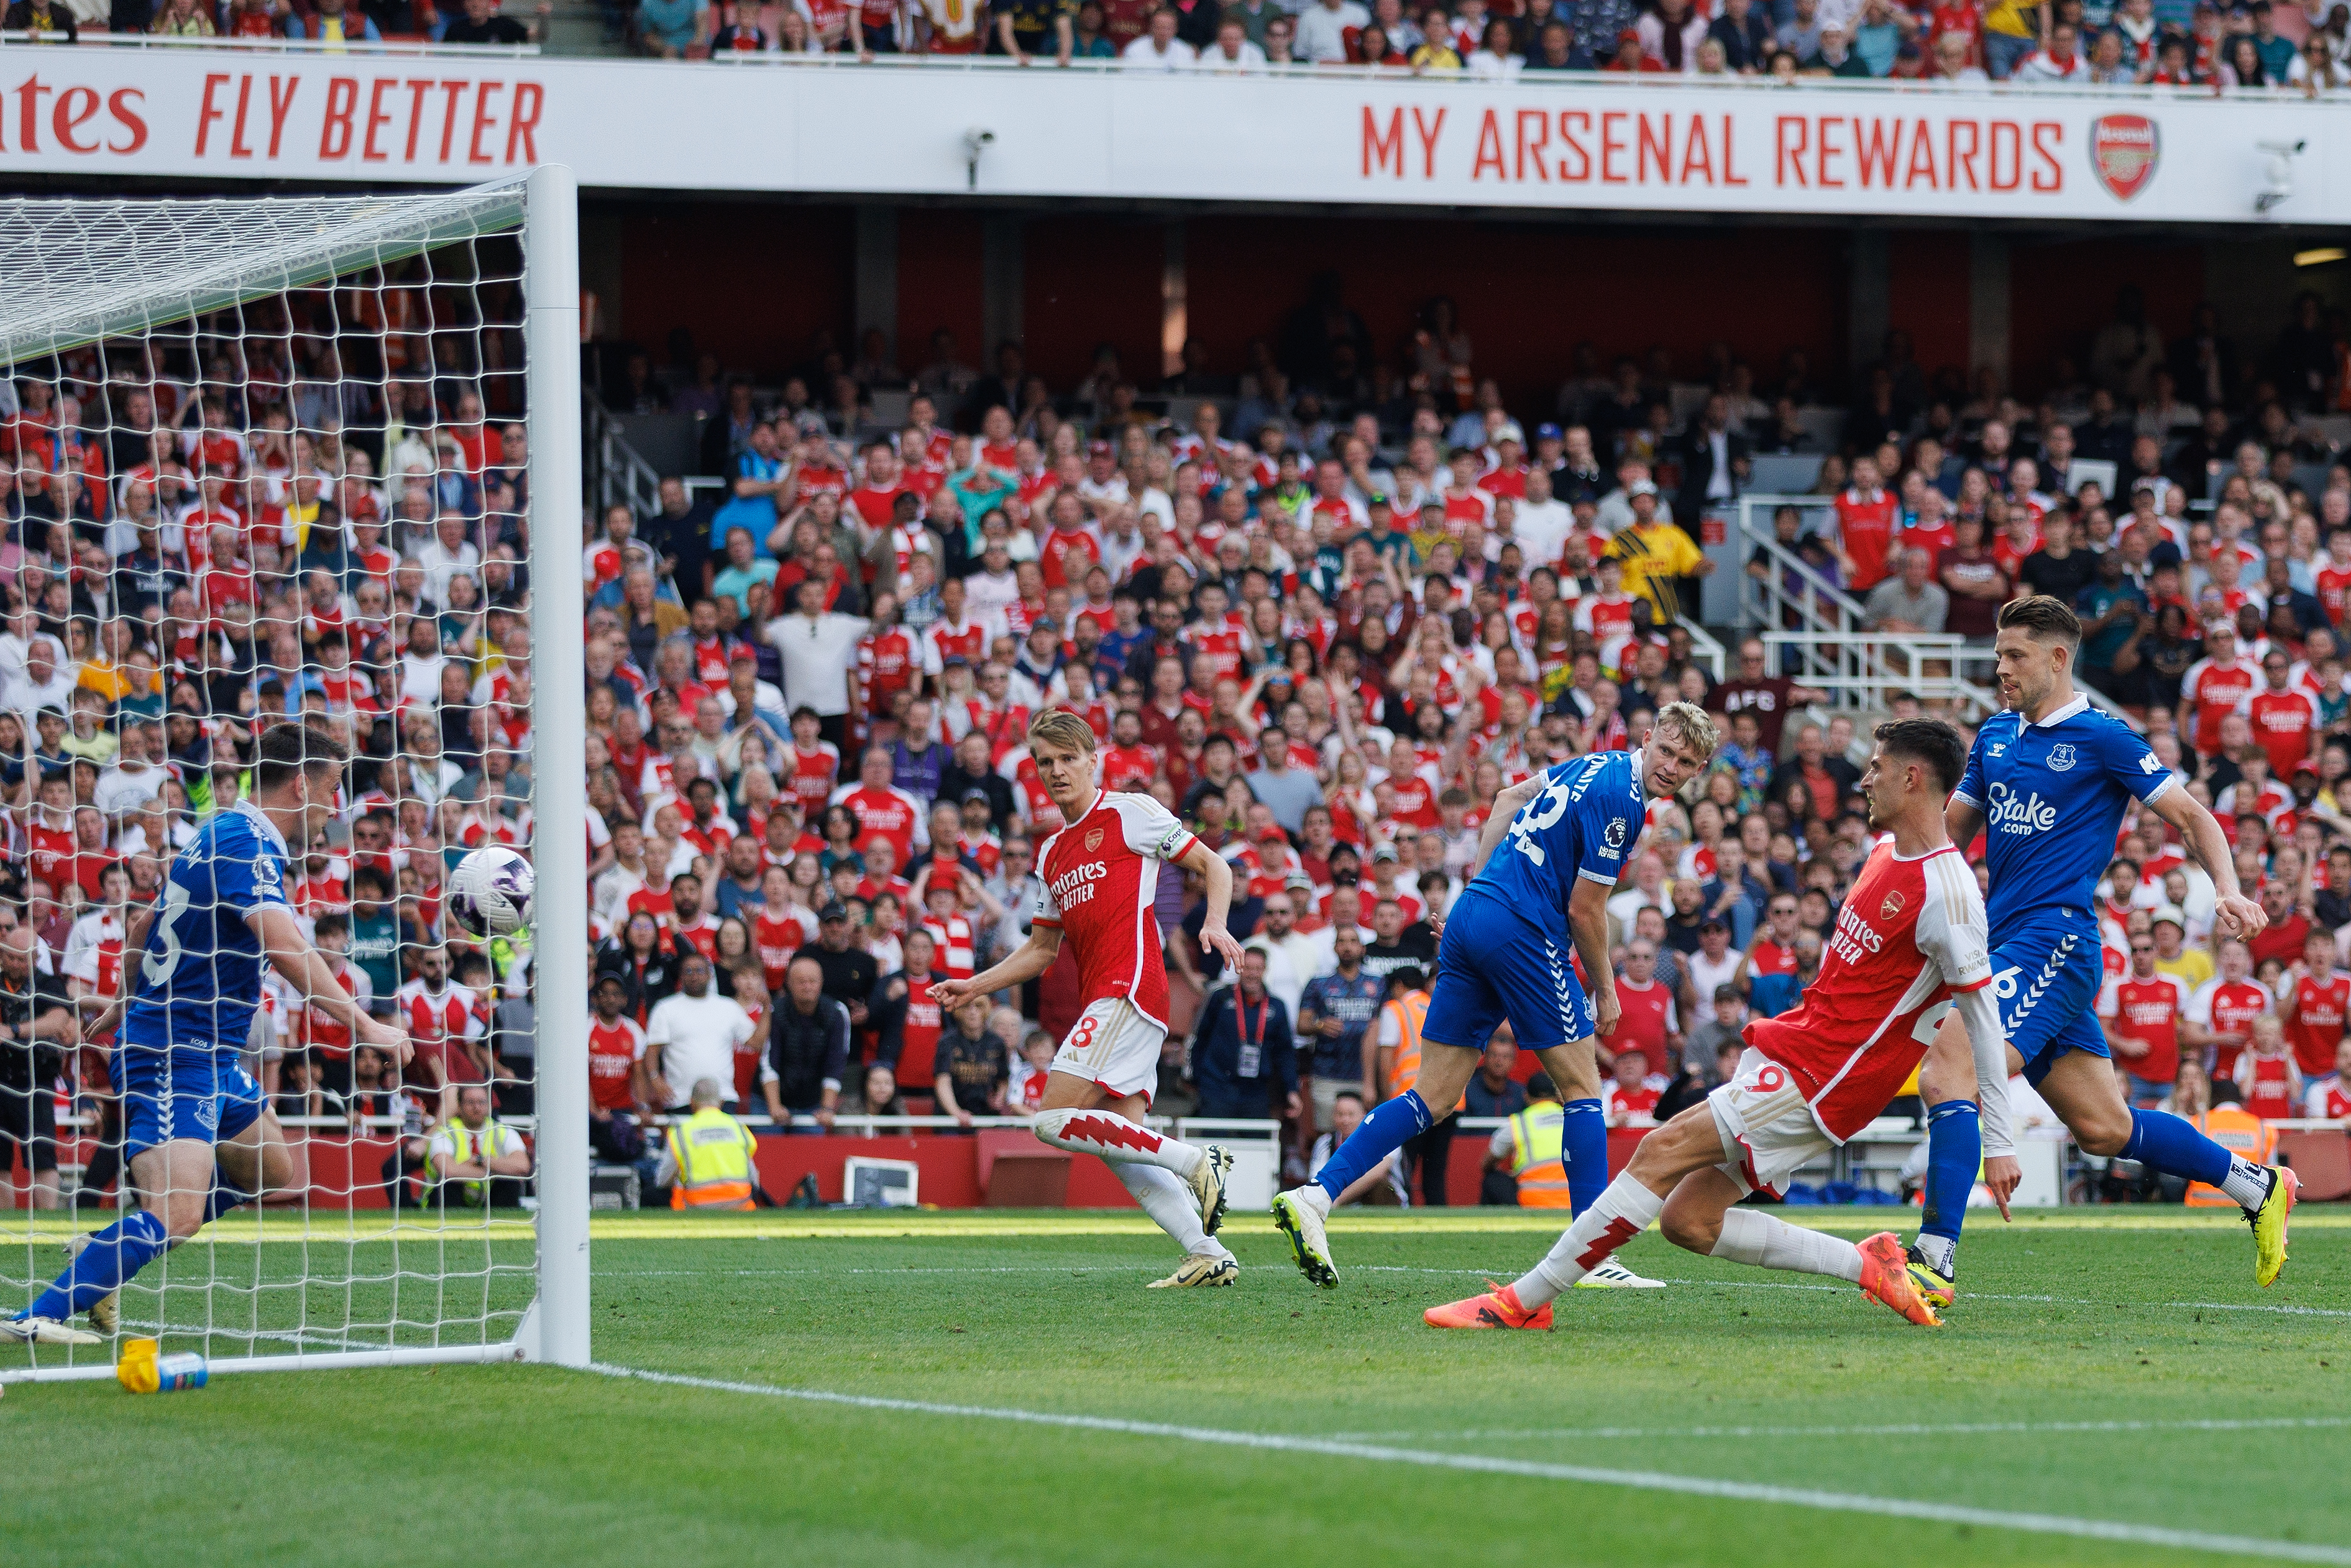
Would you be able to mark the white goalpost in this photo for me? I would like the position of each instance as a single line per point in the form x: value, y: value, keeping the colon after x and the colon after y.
x: 313, y: 458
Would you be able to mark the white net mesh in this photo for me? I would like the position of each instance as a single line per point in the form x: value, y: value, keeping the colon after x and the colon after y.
x: 263, y: 463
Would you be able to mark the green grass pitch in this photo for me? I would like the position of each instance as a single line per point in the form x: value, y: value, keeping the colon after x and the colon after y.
x: 2079, y: 1379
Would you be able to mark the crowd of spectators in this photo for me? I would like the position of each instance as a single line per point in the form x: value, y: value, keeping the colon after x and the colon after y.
x: 1322, y: 609
x: 2261, y: 45
x: 332, y: 23
x: 2251, y: 45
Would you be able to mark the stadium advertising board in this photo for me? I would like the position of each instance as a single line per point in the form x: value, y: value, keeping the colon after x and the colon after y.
x: 1590, y: 144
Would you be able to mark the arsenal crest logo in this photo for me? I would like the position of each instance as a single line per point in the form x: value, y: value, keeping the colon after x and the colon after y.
x: 2123, y: 152
x: 1891, y: 907
x: 1093, y: 841
x: 2061, y: 759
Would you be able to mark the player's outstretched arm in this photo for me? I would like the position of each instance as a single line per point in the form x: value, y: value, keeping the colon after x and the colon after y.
x: 306, y: 968
x: 1024, y: 964
x: 2238, y: 915
x: 1962, y: 821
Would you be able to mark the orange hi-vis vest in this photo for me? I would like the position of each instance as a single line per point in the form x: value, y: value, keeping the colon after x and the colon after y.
x: 1411, y: 1013
x: 2241, y: 1134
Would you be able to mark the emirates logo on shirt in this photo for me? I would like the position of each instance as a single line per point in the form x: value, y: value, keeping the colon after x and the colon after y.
x: 2124, y: 149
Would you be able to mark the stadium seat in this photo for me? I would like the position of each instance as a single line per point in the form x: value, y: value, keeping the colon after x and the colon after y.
x: 2322, y: 1159
x: 1016, y: 1171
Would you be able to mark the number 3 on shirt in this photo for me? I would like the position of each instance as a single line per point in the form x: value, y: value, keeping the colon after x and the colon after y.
x: 158, y: 968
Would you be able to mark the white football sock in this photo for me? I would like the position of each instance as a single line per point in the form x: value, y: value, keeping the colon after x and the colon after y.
x: 1115, y: 1139
x: 1623, y: 1211
x: 1939, y: 1250
x: 2248, y: 1183
x: 1171, y: 1206
x: 1767, y: 1241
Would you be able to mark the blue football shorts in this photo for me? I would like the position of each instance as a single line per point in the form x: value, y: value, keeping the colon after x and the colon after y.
x: 2046, y: 976
x: 1496, y: 963
x: 182, y: 1092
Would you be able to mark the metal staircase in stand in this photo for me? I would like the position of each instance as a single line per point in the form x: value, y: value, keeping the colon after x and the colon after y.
x: 1812, y: 630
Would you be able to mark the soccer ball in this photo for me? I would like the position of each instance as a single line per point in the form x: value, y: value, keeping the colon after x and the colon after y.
x: 490, y: 896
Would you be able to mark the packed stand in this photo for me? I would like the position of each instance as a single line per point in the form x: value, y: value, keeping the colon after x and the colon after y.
x: 1323, y: 611
x: 332, y: 23
x: 313, y: 508
x: 2261, y: 46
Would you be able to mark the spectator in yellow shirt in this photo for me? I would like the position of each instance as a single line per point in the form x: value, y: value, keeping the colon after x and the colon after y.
x: 1655, y: 554
x: 2013, y: 29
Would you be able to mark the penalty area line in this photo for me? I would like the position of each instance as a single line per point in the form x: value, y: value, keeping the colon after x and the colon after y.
x: 1538, y: 1469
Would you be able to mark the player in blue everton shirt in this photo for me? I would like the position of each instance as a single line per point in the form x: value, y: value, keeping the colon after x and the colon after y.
x: 1550, y: 854
x: 197, y: 1137
x: 2048, y: 780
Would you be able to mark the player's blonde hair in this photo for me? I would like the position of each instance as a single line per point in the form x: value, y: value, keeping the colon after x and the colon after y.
x: 1690, y: 722
x: 1061, y: 727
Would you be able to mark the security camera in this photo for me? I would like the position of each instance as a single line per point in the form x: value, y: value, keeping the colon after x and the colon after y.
x: 976, y: 141
x: 2278, y: 182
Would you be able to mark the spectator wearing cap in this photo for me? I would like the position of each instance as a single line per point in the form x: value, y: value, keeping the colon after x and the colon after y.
x: 1655, y: 555
x: 849, y: 971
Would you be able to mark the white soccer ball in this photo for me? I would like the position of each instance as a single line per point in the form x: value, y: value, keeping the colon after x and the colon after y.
x: 489, y: 895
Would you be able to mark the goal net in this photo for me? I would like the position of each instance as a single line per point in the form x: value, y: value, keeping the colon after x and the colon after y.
x: 313, y: 460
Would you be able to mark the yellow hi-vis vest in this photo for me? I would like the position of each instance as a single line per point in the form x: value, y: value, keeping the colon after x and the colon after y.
x: 712, y: 1154
x: 1537, y: 1135
x: 466, y: 1145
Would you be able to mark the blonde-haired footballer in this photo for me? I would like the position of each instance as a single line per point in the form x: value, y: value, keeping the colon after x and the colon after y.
x: 1100, y: 873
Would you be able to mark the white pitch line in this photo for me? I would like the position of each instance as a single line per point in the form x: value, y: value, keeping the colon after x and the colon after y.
x: 1905, y: 1430
x: 1643, y: 1481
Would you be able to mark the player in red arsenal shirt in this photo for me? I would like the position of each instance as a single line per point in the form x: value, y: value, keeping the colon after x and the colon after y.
x: 1909, y: 946
x: 1100, y: 874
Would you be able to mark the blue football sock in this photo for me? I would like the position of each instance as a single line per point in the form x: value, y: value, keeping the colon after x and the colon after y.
x: 1383, y: 1133
x: 226, y: 1194
x: 113, y: 1254
x: 2174, y: 1145
x: 1954, y: 1155
x: 1584, y: 1147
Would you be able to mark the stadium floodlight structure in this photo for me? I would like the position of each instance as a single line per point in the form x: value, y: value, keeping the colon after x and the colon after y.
x: 470, y: 294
